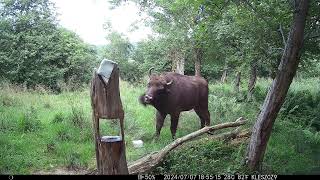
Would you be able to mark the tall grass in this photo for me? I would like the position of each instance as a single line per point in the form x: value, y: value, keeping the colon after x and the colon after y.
x: 41, y: 130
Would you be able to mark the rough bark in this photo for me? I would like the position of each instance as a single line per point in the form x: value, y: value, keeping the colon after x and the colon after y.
x: 178, y: 61
x: 148, y: 162
x: 279, y: 88
x: 237, y: 133
x: 224, y: 75
x: 105, y: 99
x: 237, y: 82
x: 172, y: 57
x: 180, y: 65
x: 112, y: 156
x: 252, y: 80
x: 106, y: 104
x: 197, y: 61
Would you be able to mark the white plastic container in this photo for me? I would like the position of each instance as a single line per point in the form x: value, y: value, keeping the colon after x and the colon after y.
x: 137, y: 143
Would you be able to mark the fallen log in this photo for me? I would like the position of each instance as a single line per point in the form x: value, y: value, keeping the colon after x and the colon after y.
x: 150, y: 161
x: 229, y: 135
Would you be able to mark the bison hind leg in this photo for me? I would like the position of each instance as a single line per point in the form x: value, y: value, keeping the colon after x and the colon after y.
x: 204, y: 116
x: 174, y: 124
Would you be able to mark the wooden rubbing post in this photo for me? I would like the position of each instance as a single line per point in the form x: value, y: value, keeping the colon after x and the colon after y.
x: 106, y: 104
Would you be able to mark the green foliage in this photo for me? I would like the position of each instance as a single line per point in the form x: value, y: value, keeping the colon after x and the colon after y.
x: 233, y: 34
x: 302, y: 104
x: 35, y: 51
x: 77, y: 117
x: 131, y: 71
x: 119, y: 50
x: 58, y: 118
x: 62, y: 135
x: 301, y: 148
x: 29, y: 121
x: 212, y: 157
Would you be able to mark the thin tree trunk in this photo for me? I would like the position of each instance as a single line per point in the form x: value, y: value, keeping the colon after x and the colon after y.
x: 252, y: 80
x: 180, y: 63
x: 197, y: 61
x: 173, y: 58
x: 237, y: 82
x: 279, y: 88
x: 224, y: 75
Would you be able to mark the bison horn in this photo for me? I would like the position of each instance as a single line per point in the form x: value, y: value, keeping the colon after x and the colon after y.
x: 150, y: 71
x: 169, y: 83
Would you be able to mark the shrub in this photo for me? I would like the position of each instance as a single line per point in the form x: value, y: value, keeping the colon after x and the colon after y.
x: 73, y: 161
x: 77, y: 117
x: 29, y: 121
x: 58, y: 118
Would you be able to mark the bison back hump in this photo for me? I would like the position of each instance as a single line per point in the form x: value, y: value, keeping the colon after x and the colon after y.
x: 186, y: 92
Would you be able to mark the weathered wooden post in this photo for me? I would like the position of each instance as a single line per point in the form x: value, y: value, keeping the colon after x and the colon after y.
x: 106, y: 104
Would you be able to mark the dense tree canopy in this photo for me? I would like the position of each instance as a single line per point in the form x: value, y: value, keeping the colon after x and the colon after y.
x: 34, y: 50
x: 232, y: 35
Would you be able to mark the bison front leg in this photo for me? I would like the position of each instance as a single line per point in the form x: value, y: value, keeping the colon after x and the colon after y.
x: 174, y: 124
x: 159, y: 123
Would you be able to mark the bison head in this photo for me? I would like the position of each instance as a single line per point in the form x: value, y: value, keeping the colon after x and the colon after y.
x: 157, y: 87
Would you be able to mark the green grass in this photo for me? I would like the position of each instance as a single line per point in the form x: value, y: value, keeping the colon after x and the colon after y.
x: 41, y: 130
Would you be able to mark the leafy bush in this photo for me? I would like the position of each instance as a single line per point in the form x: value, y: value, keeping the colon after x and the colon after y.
x: 36, y: 51
x: 297, y: 155
x: 131, y: 72
x: 302, y: 106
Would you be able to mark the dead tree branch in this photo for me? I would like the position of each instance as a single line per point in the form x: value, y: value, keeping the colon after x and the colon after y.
x: 148, y: 162
x: 282, y: 35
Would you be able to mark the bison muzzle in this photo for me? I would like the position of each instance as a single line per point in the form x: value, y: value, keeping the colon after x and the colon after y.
x: 171, y: 93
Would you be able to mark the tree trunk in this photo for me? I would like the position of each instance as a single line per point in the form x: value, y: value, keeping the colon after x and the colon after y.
x: 237, y: 82
x: 224, y: 75
x: 178, y: 60
x: 197, y: 61
x: 173, y: 58
x: 279, y: 88
x: 252, y: 80
x: 180, y: 65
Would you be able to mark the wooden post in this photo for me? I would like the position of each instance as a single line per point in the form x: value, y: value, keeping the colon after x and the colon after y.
x: 106, y: 104
x: 112, y: 156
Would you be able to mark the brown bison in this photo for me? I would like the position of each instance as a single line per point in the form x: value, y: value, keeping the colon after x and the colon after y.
x: 171, y: 93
